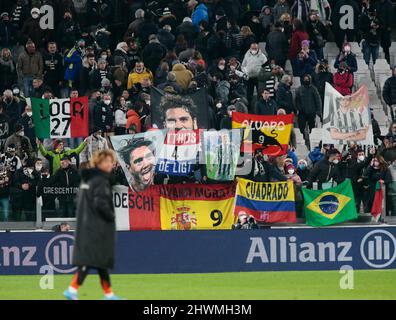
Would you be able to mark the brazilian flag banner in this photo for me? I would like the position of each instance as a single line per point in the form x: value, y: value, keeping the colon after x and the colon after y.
x: 330, y: 206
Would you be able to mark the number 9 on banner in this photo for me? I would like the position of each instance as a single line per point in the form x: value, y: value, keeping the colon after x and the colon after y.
x: 217, y: 217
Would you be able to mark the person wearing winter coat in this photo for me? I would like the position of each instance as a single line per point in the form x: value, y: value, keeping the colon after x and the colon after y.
x: 277, y: 45
x: 23, y: 147
x: 284, y: 97
x: 96, y: 75
x: 200, y: 13
x: 298, y: 36
x: 308, y: 104
x: 347, y: 56
x: 376, y: 171
x: 137, y: 75
x: 120, y: 118
x: 343, y: 80
x: 29, y: 65
x: 389, y: 91
x: 299, y: 10
x: 321, y: 76
x: 95, y: 142
x: 94, y: 246
x: 317, y: 33
x: 7, y: 70
x: 304, y: 63
x: 73, y: 64
x: 267, y: 19
x: 253, y: 60
x: 266, y: 105
x: 166, y: 38
x: 66, y: 177
x: 133, y: 121
x: 326, y: 170
x: 53, y: 68
x: 183, y: 75
x: 371, y: 28
x: 222, y: 88
x: 153, y: 53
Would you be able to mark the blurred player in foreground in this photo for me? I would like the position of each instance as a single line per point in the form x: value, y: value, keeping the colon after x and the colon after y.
x: 95, y: 234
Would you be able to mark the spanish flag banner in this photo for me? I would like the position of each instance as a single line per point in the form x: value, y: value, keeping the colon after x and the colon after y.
x: 197, y: 206
x: 60, y: 118
x: 330, y: 206
x: 267, y: 201
x: 270, y: 134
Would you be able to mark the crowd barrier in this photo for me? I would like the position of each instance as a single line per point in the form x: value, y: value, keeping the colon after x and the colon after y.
x: 151, y: 252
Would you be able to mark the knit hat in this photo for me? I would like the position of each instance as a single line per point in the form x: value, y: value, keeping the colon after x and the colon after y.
x: 305, y: 43
x: 56, y: 143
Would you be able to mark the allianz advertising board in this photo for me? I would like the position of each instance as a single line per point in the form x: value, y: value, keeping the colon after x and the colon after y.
x: 210, y: 251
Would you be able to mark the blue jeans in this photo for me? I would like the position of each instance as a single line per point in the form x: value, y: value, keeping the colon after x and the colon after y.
x: 5, y: 205
x: 370, y: 51
x: 27, y: 85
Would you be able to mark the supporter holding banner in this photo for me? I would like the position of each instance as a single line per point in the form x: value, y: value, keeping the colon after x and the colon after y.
x: 221, y: 152
x: 330, y: 206
x: 270, y: 134
x: 179, y: 112
x: 197, y: 206
x: 137, y: 155
x: 60, y: 118
x: 347, y: 118
x: 178, y: 155
x: 267, y: 202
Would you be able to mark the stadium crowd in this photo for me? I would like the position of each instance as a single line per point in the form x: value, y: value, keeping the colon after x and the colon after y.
x: 115, y: 51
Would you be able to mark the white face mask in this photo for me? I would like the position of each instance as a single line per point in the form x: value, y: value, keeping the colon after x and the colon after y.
x: 361, y: 158
x: 335, y: 161
x: 107, y: 102
x: 29, y: 170
x: 290, y: 171
x: 147, y: 102
x: 254, y: 52
x: 221, y: 66
x: 35, y: 15
x: 29, y: 114
x: 21, y: 133
x: 15, y: 92
x: 218, y: 105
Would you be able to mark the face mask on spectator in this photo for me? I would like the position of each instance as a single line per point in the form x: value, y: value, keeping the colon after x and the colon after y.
x: 253, y: 52
x: 290, y: 171
x: 360, y: 158
x: 221, y: 66
x: 218, y: 105
x: 29, y: 113
x: 301, y: 166
x: 15, y: 92
x: 107, y: 102
x: 347, y: 49
x: 20, y: 133
x: 335, y: 161
x: 35, y: 15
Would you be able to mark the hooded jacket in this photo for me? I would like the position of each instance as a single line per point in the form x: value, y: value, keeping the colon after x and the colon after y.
x: 183, y: 76
x: 133, y: 119
x: 308, y: 100
x: 200, y: 13
x: 252, y: 63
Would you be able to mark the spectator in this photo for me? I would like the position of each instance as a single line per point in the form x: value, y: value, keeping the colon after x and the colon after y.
x: 137, y: 75
x: 12, y: 108
x: 23, y: 193
x: 103, y: 114
x: 277, y: 45
x: 369, y: 24
x: 308, y: 105
x: 153, y: 53
x: 183, y: 75
x: 348, y: 57
x: 280, y: 8
x: 7, y: 31
x: 28, y: 126
x: 55, y: 156
x: 326, y: 170
x: 32, y: 30
x: 23, y: 147
x: 73, y: 64
x: 376, y: 171
x: 321, y: 76
x: 251, y: 64
x: 385, y: 14
x: 391, y: 187
x: 317, y: 32
x: 68, y: 31
x: 343, y: 79
x: 166, y: 38
x: 305, y: 62
x: 389, y: 92
x: 133, y: 28
x: 284, y: 97
x: 97, y: 75
x: 266, y: 105
x: 200, y: 12
x: 88, y: 65
x: 66, y: 177
x: 120, y: 118
x: 53, y: 68
x: 7, y: 70
x: 95, y: 142
x: 30, y: 65
x: 171, y: 82
x: 298, y: 36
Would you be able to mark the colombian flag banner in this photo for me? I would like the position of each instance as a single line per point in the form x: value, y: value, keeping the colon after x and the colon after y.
x: 197, y: 206
x: 270, y: 134
x: 267, y: 201
x: 60, y: 118
x: 330, y: 206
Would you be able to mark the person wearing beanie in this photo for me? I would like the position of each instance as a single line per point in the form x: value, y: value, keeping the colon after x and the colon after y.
x: 55, y: 156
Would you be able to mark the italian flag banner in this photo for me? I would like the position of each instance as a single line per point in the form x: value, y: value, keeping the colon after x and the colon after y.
x: 60, y: 118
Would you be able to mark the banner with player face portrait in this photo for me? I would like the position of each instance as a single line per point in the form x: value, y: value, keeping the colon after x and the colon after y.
x: 172, y: 111
x: 137, y: 155
x: 347, y: 118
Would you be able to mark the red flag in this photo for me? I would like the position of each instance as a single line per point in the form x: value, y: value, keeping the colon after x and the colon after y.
x: 376, y: 209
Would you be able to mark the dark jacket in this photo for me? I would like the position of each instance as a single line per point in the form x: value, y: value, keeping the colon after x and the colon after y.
x: 53, y: 69
x: 166, y: 38
x: 152, y: 55
x: 67, y: 178
x: 308, y: 100
x: 94, y: 244
x: 277, y: 46
x: 284, y: 98
x: 389, y: 91
x: 350, y: 59
x: 323, y: 171
x: 319, y: 81
x: 103, y: 116
x: 266, y: 108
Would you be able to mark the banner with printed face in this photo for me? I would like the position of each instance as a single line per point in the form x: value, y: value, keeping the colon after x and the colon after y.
x: 137, y: 155
x: 179, y: 152
x: 197, y: 206
x: 221, y: 152
x: 267, y: 201
x: 60, y: 118
x: 179, y: 111
x: 268, y: 134
x: 137, y: 210
x: 347, y: 118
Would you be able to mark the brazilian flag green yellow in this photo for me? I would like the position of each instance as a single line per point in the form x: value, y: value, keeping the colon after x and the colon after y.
x: 330, y: 206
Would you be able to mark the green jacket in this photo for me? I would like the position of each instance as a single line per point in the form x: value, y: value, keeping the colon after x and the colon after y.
x: 55, y: 158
